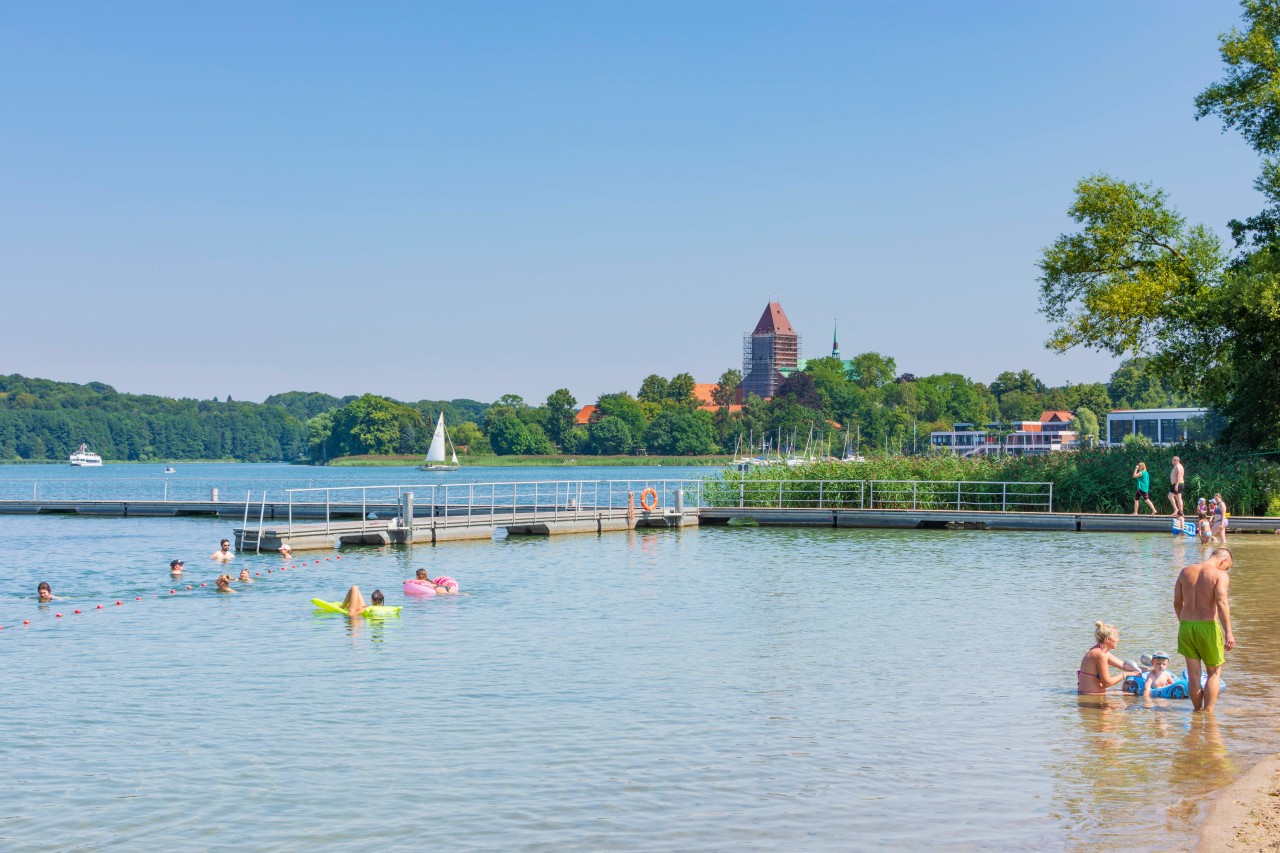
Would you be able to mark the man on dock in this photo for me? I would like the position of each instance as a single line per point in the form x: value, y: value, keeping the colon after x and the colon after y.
x: 223, y: 554
x: 1204, y: 623
x: 1177, y: 479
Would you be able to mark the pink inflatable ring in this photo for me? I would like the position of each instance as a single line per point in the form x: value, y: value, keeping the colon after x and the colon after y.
x: 417, y: 587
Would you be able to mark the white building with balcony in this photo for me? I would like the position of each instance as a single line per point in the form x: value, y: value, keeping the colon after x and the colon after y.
x: 1050, y: 434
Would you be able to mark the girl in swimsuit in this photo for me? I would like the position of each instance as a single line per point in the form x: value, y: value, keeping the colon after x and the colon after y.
x: 1094, y: 675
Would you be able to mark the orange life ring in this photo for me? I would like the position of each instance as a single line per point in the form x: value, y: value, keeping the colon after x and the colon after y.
x: 648, y: 500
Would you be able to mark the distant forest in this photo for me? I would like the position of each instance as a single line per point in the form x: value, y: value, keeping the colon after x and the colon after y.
x: 45, y: 420
x: 864, y: 397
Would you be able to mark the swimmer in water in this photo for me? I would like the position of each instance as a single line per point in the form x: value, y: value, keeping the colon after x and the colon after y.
x: 45, y: 594
x: 223, y: 583
x: 1094, y: 675
x: 175, y: 568
x: 1203, y: 532
x: 244, y: 576
x: 223, y: 554
x: 286, y: 553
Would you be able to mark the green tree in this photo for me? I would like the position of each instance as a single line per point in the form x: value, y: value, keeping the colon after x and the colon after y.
x: 508, y: 435
x: 653, y: 389
x: 469, y: 435
x: 372, y: 424
x: 872, y: 370
x: 1134, y: 279
x: 624, y: 407
x: 727, y: 388
x: 680, y: 389
x: 610, y: 436
x: 1247, y: 100
x: 1085, y: 423
x: 800, y: 387
x: 561, y: 408
x: 680, y: 432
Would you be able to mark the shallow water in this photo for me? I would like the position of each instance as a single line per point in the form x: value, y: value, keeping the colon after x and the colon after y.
x: 692, y: 690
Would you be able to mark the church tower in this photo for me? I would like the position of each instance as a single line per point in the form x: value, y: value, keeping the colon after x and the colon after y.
x: 772, y: 346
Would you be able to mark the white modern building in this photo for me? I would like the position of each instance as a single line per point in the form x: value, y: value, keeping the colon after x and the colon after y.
x: 1162, y: 426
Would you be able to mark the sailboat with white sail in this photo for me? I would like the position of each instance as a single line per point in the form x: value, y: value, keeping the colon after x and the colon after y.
x: 435, y: 453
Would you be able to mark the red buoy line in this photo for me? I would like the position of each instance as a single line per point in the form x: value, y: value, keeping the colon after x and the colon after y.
x: 120, y: 603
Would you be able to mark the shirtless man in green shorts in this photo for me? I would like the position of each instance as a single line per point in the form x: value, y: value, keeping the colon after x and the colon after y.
x: 1200, y: 601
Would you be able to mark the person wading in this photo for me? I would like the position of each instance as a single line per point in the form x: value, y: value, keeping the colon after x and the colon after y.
x: 1204, y: 624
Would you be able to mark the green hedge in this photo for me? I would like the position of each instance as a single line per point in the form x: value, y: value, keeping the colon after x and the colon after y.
x: 1097, y: 480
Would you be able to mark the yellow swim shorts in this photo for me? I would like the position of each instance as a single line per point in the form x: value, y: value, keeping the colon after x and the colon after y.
x: 1202, y: 641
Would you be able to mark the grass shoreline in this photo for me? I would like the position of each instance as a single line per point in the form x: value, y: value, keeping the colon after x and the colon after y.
x: 538, y: 461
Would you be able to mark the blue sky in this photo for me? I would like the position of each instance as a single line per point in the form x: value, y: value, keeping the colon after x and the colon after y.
x: 471, y: 199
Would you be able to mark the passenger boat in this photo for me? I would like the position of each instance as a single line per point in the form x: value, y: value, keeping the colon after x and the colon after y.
x: 82, y: 458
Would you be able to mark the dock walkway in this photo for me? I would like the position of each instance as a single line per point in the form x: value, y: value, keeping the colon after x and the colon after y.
x: 323, y: 518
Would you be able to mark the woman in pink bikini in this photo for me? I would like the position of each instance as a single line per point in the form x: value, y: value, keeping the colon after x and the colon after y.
x: 1094, y: 675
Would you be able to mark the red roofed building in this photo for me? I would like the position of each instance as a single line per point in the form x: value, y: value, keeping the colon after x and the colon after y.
x: 703, y: 391
x: 1052, y: 432
x: 772, y: 346
x: 584, y: 415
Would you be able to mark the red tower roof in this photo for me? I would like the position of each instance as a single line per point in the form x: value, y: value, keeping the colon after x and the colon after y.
x: 774, y: 321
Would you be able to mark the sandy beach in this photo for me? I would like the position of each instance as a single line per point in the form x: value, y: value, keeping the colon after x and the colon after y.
x: 1245, y: 816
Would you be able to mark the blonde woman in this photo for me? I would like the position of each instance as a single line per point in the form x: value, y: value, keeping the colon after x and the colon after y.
x: 1094, y: 675
x: 1143, y: 488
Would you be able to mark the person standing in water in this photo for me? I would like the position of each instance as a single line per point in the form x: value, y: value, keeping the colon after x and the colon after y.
x: 1143, y: 485
x: 223, y: 554
x: 1177, y: 478
x: 1204, y: 624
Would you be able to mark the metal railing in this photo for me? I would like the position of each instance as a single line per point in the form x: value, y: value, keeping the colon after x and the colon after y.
x: 139, y: 488
x: 490, y: 504
x: 956, y: 495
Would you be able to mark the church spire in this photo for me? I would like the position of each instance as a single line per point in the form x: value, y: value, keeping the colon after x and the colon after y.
x: 835, y: 341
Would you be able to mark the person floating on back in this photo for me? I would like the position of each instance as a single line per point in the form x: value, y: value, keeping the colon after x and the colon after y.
x: 1204, y: 624
x: 1143, y: 492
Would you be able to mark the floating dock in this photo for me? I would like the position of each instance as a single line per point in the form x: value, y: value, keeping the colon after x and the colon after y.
x: 324, y: 518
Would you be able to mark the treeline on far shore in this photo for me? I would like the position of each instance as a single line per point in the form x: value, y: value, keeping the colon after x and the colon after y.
x: 1089, y: 480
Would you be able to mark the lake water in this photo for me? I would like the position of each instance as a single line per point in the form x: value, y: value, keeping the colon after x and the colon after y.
x: 694, y: 689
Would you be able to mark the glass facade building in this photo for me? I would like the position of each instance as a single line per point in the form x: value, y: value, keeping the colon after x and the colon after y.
x: 1161, y: 426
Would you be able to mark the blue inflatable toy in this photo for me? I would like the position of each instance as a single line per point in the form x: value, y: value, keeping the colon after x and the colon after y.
x: 1180, y: 689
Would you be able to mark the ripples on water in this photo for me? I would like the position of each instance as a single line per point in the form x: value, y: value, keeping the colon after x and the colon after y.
x: 693, y: 690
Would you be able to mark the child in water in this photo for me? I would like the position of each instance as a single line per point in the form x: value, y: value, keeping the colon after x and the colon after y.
x: 1158, y: 676
x: 45, y: 593
x: 244, y: 576
x: 1203, y: 531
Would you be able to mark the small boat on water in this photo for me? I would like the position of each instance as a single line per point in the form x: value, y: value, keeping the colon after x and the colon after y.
x: 435, y: 460
x: 84, y: 458
x: 170, y: 470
